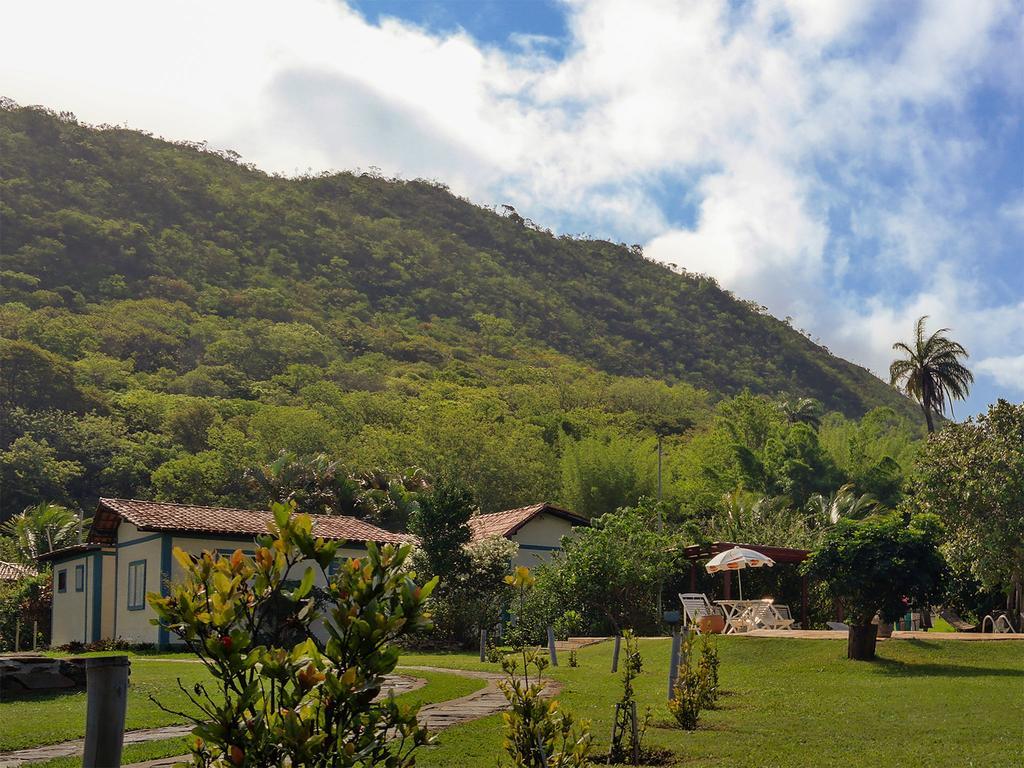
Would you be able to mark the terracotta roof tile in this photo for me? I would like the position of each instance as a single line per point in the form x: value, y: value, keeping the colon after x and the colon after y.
x: 511, y: 520
x: 13, y: 571
x: 187, y: 518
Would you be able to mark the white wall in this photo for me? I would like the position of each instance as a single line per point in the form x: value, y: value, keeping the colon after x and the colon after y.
x: 539, y: 539
x: 134, y: 545
x: 71, y: 609
x: 74, y: 613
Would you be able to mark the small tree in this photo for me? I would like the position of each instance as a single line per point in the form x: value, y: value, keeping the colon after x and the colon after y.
x: 538, y: 733
x: 614, y: 569
x: 874, y: 566
x: 625, y: 743
x: 309, y: 703
x: 442, y: 525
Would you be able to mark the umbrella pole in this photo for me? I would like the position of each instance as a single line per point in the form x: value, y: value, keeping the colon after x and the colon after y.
x: 739, y: 578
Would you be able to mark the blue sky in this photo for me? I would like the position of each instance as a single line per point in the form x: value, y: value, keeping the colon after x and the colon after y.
x: 850, y: 165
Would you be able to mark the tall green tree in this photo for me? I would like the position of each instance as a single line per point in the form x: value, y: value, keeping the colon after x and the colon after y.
x: 972, y: 476
x: 442, y: 525
x: 932, y: 372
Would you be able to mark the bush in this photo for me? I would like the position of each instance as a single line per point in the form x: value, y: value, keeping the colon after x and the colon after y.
x: 569, y: 624
x: 28, y: 599
x: 539, y: 733
x: 477, y: 599
x: 688, y: 697
x: 311, y: 703
x: 696, y: 687
x: 707, y: 669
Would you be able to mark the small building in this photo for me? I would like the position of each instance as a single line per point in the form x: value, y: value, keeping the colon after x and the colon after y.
x: 100, y: 586
x: 14, y: 571
x: 537, y: 529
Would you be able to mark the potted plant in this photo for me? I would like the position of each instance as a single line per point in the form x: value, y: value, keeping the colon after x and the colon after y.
x: 872, y: 565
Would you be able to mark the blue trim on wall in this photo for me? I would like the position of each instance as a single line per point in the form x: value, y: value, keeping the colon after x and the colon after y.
x: 162, y: 636
x: 97, y: 595
x: 143, y: 540
x: 85, y: 606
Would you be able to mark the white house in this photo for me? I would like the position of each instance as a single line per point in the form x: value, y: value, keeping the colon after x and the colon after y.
x: 537, y: 529
x: 99, y: 587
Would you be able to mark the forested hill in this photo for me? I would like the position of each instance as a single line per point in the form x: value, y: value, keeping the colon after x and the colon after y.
x: 104, y: 217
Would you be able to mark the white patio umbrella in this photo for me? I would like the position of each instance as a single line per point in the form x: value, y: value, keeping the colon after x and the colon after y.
x: 736, y: 559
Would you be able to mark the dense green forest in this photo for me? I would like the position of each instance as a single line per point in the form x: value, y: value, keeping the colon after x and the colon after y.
x: 173, y: 318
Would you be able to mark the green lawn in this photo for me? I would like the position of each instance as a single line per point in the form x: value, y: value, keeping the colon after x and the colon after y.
x: 800, y: 703
x: 51, y: 718
x: 787, y: 703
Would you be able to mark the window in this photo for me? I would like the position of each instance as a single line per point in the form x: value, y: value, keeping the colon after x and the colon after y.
x: 79, y: 578
x: 136, y: 585
x: 62, y: 580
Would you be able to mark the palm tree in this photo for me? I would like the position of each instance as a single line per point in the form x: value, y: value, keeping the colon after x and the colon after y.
x: 43, y: 528
x: 931, y: 373
x: 844, y: 503
x: 801, y: 410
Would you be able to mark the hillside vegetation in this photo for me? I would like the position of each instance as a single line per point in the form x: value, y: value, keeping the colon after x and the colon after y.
x: 172, y: 317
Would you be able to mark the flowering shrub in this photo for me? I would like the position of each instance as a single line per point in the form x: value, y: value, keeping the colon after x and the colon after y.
x: 311, y: 702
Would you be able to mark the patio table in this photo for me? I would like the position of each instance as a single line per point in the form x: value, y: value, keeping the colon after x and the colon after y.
x: 734, y: 610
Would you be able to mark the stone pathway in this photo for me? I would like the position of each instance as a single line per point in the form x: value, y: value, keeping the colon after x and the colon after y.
x: 396, y: 684
x: 488, y: 700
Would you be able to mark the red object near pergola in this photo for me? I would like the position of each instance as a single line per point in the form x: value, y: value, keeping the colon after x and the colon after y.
x: 701, y: 552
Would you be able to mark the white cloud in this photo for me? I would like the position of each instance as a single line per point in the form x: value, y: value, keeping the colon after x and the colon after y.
x: 774, y: 120
x: 1007, y: 371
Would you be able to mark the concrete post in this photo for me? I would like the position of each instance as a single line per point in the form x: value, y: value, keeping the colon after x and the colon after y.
x: 106, y: 683
x: 552, y: 652
x: 615, y: 653
x: 483, y: 645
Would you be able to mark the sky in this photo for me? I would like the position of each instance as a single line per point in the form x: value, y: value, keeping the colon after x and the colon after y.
x: 851, y: 165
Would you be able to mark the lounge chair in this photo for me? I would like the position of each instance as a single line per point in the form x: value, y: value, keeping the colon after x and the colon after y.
x: 951, y: 618
x: 767, y: 616
x: 837, y: 626
x: 785, y: 614
x: 696, y: 606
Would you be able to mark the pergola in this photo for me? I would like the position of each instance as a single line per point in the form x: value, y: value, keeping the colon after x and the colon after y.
x: 702, y: 552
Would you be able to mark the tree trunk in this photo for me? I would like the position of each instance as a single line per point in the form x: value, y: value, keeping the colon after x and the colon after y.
x: 928, y: 418
x: 860, y: 642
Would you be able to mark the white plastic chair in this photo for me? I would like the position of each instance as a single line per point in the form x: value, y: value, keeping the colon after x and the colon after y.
x: 695, y: 607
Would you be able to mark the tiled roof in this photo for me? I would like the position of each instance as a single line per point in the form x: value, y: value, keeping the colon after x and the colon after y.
x: 12, y: 571
x: 511, y: 520
x: 187, y: 518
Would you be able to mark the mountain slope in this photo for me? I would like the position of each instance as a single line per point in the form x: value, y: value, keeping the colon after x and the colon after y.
x: 103, y: 217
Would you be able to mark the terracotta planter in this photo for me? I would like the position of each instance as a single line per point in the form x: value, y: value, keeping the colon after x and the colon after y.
x: 711, y: 625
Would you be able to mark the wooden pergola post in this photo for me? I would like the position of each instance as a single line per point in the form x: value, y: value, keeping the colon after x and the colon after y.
x: 727, y: 584
x: 693, y: 577
x: 803, y: 603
